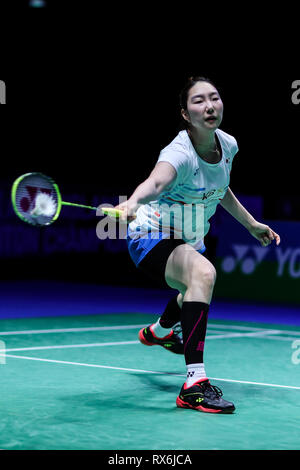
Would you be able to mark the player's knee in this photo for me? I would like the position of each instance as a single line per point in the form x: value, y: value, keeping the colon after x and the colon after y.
x: 204, y: 275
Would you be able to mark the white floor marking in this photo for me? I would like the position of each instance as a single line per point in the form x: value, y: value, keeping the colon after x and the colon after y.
x: 218, y: 327
x: 70, y: 330
x: 263, y: 334
x: 246, y: 335
x: 146, y: 371
x: 67, y: 346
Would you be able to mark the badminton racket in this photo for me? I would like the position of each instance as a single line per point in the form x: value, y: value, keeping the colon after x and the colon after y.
x: 36, y: 200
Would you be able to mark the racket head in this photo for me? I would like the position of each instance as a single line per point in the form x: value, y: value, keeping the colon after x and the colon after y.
x: 24, y: 191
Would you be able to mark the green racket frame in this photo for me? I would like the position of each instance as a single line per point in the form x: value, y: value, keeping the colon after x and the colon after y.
x: 60, y: 203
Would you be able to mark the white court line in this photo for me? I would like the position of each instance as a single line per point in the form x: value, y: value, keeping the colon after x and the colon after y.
x: 70, y: 330
x: 117, y: 343
x: 243, y: 335
x: 131, y: 327
x: 251, y: 328
x: 256, y: 383
x: 146, y: 371
x: 68, y: 346
x: 256, y: 334
x: 280, y: 338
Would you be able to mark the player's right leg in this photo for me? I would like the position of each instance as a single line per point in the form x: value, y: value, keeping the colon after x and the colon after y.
x: 194, y: 276
x: 191, y: 273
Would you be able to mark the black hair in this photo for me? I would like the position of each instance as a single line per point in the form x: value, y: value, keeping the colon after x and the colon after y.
x: 183, y: 96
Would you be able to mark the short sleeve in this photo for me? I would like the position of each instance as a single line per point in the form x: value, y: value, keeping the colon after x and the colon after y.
x: 178, y: 160
x: 235, y: 148
x: 232, y: 150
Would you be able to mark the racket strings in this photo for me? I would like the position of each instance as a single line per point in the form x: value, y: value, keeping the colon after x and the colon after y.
x: 36, y: 199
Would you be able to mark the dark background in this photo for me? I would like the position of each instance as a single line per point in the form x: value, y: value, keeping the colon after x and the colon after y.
x: 91, y: 101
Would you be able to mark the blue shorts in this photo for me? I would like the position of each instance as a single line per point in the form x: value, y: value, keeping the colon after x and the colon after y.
x: 150, y: 255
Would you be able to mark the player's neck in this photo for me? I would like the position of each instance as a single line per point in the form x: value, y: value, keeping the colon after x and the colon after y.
x: 205, y: 141
x: 205, y: 145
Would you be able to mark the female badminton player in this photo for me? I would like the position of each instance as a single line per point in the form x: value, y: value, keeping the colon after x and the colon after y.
x: 194, y: 169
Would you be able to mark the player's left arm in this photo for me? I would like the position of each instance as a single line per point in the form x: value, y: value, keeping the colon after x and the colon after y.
x: 263, y: 233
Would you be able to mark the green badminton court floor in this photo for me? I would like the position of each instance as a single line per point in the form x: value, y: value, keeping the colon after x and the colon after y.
x: 86, y: 383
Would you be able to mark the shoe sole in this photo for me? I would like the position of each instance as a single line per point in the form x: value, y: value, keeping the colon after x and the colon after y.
x: 147, y: 343
x: 182, y: 404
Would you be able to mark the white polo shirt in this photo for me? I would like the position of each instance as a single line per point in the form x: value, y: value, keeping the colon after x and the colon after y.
x: 186, y: 207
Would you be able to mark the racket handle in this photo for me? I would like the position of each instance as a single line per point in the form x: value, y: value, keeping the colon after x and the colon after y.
x: 112, y: 212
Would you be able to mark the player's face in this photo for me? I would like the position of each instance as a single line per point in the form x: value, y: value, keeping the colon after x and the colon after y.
x: 204, y: 107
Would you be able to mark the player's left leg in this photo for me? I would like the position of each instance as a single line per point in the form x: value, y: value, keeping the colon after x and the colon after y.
x: 166, y: 331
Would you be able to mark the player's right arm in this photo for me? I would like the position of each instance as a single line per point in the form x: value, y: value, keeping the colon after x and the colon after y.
x: 161, y: 177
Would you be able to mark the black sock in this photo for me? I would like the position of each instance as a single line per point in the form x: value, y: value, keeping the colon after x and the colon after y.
x: 171, y: 315
x: 193, y: 322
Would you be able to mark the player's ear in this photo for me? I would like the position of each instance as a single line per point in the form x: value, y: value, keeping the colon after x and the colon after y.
x: 185, y: 115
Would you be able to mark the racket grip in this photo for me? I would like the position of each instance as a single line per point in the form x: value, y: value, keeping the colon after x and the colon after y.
x: 112, y: 212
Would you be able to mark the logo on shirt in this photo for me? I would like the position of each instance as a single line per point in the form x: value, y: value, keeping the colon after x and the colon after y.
x: 208, y: 194
x: 217, y: 192
x: 196, y: 172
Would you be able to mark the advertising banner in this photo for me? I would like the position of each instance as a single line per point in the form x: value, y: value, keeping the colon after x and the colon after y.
x: 246, y: 270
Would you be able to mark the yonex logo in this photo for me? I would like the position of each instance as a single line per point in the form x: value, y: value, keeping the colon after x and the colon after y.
x: 2, y: 92
x: 26, y: 202
x: 249, y: 257
x: 247, y: 263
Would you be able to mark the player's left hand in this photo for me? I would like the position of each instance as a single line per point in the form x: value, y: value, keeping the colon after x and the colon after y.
x: 264, y: 234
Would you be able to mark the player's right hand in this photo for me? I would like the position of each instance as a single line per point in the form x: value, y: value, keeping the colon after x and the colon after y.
x: 128, y: 211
